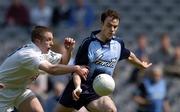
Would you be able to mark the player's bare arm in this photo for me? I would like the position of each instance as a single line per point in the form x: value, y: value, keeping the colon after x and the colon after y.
x: 135, y: 61
x: 77, y: 83
x: 59, y: 69
x: 69, y: 44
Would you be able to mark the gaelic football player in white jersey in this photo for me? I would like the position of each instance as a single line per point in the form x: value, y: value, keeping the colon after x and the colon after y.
x: 23, y: 66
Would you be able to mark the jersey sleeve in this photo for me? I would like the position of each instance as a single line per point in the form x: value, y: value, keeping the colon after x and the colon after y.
x: 82, y: 53
x: 31, y: 61
x: 53, y: 57
x: 125, y: 53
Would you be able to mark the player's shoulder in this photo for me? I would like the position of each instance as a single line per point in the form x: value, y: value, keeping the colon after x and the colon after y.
x: 118, y: 39
x: 29, y: 50
x: 92, y: 36
x: 88, y: 40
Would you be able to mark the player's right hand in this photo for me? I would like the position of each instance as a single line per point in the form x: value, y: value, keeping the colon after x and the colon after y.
x: 69, y: 43
x: 76, y: 93
x: 146, y: 64
x: 82, y: 71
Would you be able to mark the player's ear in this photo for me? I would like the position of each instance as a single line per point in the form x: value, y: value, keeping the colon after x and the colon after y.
x: 37, y: 40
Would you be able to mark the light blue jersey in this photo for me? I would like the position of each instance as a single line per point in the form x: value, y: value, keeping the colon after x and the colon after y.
x: 101, y: 57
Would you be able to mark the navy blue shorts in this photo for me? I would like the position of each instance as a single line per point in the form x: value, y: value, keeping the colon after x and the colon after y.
x: 86, y: 96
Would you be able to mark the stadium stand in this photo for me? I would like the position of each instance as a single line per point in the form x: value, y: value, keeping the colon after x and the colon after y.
x: 152, y: 17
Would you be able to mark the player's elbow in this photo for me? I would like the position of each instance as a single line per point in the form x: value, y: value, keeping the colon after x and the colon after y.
x: 49, y: 68
x: 52, y: 70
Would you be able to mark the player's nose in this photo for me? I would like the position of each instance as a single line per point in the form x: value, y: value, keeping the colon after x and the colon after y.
x: 112, y: 29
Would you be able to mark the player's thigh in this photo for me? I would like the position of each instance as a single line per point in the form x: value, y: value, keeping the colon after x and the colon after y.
x: 103, y: 104
x: 31, y: 104
x: 61, y: 108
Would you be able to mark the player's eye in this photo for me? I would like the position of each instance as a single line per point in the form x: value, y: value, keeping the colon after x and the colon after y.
x: 115, y: 27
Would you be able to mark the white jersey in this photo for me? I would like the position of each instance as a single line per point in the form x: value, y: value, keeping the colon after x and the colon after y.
x: 53, y: 57
x: 21, y: 68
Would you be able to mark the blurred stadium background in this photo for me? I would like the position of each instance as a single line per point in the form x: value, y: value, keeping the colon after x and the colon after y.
x: 149, y: 17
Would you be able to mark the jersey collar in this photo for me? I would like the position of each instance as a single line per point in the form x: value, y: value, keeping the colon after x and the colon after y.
x: 106, y: 44
x: 35, y: 47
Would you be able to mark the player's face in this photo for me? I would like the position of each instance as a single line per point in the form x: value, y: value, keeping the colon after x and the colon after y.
x: 157, y: 75
x: 46, y: 42
x: 109, y: 27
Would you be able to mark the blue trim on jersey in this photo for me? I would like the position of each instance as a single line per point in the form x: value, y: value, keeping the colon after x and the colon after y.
x: 83, y: 59
x: 101, y: 56
x: 125, y: 53
x: 82, y: 54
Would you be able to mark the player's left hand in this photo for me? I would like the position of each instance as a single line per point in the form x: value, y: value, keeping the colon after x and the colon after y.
x: 146, y: 64
x: 69, y: 43
x: 82, y: 71
x: 76, y: 93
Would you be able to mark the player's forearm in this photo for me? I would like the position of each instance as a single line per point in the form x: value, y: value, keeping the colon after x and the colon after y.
x: 61, y: 69
x: 76, y: 80
x: 66, y: 56
x: 135, y: 61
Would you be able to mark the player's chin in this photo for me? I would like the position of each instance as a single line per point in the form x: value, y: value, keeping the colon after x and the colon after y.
x: 110, y: 35
x: 46, y: 51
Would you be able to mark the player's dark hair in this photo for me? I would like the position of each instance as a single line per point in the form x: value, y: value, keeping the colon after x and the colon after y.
x: 109, y: 13
x: 38, y: 32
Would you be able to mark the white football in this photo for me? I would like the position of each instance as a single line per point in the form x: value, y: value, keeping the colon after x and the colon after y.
x: 103, y: 84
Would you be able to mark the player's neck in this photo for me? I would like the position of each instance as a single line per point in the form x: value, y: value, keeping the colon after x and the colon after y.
x: 101, y: 37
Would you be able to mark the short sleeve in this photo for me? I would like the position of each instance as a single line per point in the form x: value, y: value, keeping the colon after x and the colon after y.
x: 53, y: 57
x: 82, y: 54
x: 125, y: 53
x: 31, y: 61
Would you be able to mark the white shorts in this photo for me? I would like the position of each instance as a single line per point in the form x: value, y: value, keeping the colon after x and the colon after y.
x: 8, y: 100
